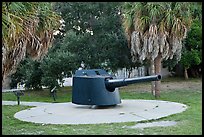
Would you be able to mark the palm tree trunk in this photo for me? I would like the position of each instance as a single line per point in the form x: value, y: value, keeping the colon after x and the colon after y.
x: 152, y: 72
x: 157, y: 64
x: 185, y: 73
x: 6, y: 82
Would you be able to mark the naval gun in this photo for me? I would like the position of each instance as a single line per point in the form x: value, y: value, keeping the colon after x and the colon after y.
x: 97, y: 87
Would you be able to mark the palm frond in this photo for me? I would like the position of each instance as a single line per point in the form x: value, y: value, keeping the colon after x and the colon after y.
x: 22, y: 33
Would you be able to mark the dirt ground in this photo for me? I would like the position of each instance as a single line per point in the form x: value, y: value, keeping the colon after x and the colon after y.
x: 168, y: 86
x: 187, y: 85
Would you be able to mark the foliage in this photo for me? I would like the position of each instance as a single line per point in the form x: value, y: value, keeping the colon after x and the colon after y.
x: 194, y: 37
x: 94, y: 33
x: 27, y: 29
x: 192, y: 51
x: 190, y: 58
x: 155, y: 31
x: 33, y: 75
x: 170, y: 63
x: 28, y: 73
x: 56, y: 66
x: 156, y: 28
x: 17, y: 77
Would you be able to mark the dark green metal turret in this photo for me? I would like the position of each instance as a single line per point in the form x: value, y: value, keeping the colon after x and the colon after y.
x: 97, y: 87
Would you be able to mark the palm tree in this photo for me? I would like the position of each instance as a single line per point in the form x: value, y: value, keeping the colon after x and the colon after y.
x: 155, y: 31
x: 27, y: 29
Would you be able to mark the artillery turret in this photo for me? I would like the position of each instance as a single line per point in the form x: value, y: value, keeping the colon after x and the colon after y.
x: 97, y: 87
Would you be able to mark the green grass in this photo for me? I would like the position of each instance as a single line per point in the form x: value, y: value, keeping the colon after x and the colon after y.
x: 63, y: 95
x: 189, y: 121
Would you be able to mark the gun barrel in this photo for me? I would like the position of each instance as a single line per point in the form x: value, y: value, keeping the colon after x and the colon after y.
x: 111, y: 84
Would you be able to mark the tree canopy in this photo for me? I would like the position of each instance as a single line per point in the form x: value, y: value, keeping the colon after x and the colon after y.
x: 92, y: 33
x: 155, y: 31
x: 27, y: 29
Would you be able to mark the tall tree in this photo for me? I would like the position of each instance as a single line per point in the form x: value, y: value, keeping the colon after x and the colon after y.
x: 191, y: 58
x: 192, y: 51
x: 155, y: 31
x: 27, y: 29
x: 93, y: 31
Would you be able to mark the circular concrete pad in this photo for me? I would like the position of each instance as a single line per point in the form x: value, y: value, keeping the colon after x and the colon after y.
x: 127, y: 111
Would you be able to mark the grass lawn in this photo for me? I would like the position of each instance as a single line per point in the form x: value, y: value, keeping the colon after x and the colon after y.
x: 189, y: 121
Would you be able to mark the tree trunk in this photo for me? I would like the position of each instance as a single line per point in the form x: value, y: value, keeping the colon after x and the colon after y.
x: 185, y: 73
x: 157, y: 64
x: 6, y: 82
x: 152, y: 72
